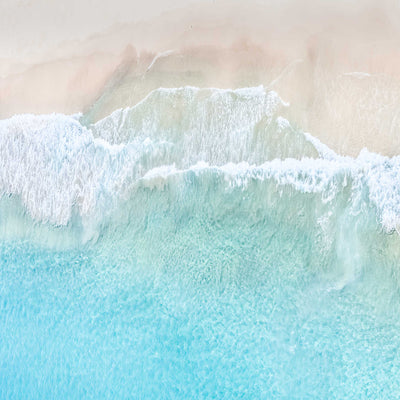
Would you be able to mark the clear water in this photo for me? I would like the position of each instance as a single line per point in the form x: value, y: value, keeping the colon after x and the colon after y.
x: 160, y: 277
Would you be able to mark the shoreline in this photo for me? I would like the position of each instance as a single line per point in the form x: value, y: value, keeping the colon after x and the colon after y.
x: 339, y: 71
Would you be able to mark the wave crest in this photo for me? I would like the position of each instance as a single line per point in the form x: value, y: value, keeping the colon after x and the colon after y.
x: 57, y: 166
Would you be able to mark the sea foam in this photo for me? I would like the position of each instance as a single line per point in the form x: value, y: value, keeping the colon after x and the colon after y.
x: 56, y: 165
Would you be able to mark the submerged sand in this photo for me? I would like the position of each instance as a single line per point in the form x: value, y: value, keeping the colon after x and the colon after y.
x: 336, y: 63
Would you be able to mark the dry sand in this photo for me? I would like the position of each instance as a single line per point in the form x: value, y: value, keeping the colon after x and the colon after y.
x: 337, y: 63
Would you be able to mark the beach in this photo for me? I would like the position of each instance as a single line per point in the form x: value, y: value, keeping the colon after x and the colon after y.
x: 199, y: 199
x: 337, y: 65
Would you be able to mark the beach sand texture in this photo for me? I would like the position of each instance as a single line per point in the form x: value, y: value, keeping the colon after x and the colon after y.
x: 337, y: 64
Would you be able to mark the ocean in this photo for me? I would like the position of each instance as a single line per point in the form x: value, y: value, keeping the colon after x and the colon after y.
x: 196, y: 245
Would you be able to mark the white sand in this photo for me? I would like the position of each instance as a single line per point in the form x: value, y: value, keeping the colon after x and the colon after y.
x: 337, y: 63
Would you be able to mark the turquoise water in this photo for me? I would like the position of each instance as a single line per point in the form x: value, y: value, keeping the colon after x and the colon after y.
x: 195, y: 246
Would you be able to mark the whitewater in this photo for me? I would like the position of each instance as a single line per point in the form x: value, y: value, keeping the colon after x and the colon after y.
x: 195, y: 245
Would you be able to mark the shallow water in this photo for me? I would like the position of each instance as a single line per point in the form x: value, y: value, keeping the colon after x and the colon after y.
x: 195, y: 246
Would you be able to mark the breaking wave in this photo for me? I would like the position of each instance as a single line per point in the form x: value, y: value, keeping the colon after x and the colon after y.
x: 57, y: 167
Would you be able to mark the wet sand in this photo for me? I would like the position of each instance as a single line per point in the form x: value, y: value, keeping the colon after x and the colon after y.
x: 337, y: 64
